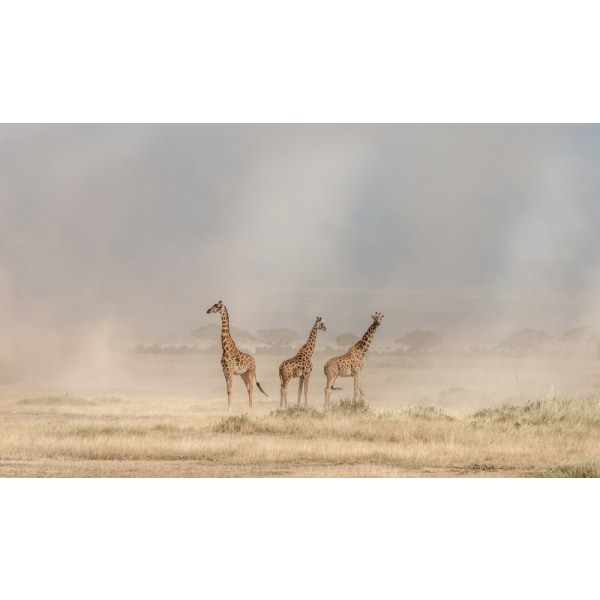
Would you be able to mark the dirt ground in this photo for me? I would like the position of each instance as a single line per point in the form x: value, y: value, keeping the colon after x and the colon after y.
x: 190, y: 468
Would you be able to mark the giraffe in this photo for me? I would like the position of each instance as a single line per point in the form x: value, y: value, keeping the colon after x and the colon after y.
x: 300, y: 366
x: 351, y: 363
x: 233, y: 361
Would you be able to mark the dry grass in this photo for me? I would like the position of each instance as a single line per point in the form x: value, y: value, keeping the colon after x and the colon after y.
x: 137, y: 435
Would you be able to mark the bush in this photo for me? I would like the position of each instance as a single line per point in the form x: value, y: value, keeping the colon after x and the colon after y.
x: 482, y: 467
x: 65, y: 400
x: 579, y: 470
x: 429, y: 413
x: 298, y: 411
x: 552, y: 409
x: 350, y: 407
x: 236, y: 424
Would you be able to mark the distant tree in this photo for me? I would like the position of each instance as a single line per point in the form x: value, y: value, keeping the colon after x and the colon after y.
x: 578, y: 335
x: 346, y: 339
x: 171, y: 349
x: 212, y: 332
x: 278, y: 338
x: 418, y: 340
x: 526, y: 340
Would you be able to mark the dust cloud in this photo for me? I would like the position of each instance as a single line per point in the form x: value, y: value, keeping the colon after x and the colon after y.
x: 115, y: 239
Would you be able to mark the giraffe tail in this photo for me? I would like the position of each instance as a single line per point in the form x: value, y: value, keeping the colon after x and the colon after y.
x: 260, y: 388
x: 334, y: 388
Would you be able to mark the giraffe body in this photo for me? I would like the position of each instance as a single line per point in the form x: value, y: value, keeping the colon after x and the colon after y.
x: 351, y: 363
x: 299, y: 366
x: 234, y: 361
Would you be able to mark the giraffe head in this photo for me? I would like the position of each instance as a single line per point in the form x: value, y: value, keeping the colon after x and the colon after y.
x: 216, y: 308
x: 377, y: 318
x: 320, y: 324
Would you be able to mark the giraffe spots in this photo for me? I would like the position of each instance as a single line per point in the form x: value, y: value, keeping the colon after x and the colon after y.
x: 298, y: 370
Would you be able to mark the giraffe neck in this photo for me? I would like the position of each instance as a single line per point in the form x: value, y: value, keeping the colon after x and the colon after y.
x: 308, y: 348
x: 363, y: 344
x: 226, y: 339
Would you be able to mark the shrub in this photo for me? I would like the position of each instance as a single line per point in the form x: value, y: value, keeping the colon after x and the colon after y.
x: 429, y: 413
x: 65, y: 400
x: 350, y: 407
x: 579, y: 470
x: 482, y: 467
x: 298, y: 411
x: 552, y: 409
x: 236, y: 424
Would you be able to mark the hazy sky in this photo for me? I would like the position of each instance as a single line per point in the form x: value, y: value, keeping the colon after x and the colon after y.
x: 444, y: 226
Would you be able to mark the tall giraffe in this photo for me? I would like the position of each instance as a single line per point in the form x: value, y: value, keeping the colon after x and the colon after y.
x: 351, y: 363
x: 234, y: 361
x: 300, y: 366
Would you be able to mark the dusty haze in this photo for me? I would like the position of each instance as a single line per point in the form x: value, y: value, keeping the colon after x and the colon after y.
x: 110, y: 234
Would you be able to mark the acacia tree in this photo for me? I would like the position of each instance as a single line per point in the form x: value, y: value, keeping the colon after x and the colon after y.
x: 346, y: 339
x: 278, y: 338
x: 578, y: 335
x: 419, y: 341
x: 526, y: 340
x: 212, y: 332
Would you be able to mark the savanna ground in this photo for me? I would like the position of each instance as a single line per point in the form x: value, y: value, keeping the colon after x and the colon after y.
x: 165, y: 416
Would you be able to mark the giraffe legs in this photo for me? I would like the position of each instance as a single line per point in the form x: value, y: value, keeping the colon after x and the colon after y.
x: 248, y: 378
x: 331, y: 371
x: 228, y: 383
x: 300, y: 385
x: 306, y: 379
x: 330, y: 381
x: 285, y: 380
x: 358, y: 388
